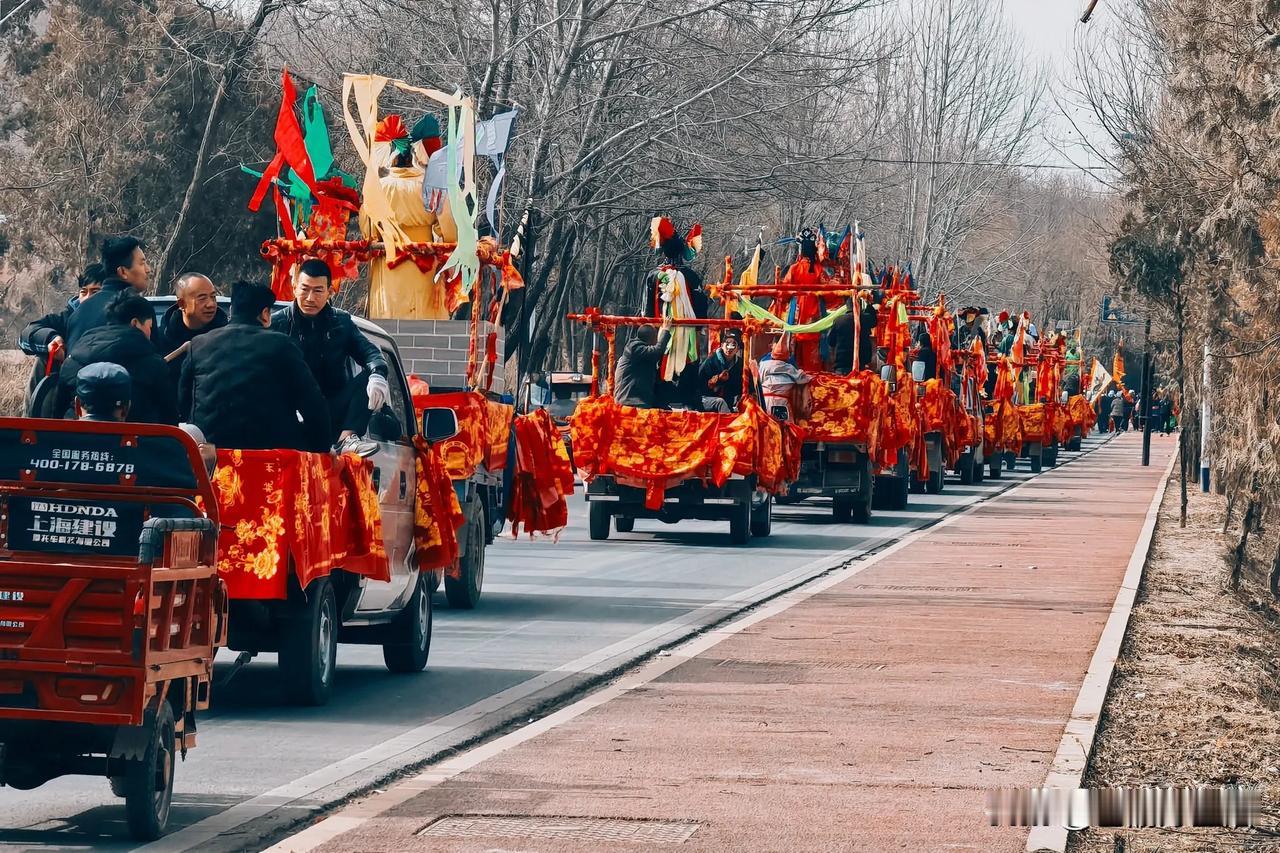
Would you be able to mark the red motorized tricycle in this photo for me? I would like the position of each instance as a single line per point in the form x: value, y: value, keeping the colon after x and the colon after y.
x: 111, y: 607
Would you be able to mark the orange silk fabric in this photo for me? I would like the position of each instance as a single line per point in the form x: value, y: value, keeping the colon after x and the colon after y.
x: 1035, y: 423
x: 1082, y: 414
x: 846, y: 409
x: 899, y: 422
x: 282, y: 508
x: 657, y: 449
x: 543, y: 477
x: 437, y: 515
x: 1002, y: 429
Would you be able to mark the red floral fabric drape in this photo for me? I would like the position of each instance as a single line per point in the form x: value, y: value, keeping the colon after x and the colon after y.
x: 437, y: 516
x: 280, y: 508
x: 656, y: 449
x: 543, y: 477
x: 846, y: 409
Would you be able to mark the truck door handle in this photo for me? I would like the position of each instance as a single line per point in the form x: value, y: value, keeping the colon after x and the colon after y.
x: 404, y: 485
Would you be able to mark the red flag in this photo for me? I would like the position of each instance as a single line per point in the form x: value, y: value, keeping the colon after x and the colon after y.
x: 291, y: 149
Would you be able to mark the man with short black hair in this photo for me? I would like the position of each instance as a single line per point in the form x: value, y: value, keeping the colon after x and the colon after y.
x: 126, y: 341
x: 194, y: 312
x: 637, y: 373
x: 328, y: 337
x: 248, y: 387
x: 103, y: 391
x: 48, y: 334
x: 126, y: 268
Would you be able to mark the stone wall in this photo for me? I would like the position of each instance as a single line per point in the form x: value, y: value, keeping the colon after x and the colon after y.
x: 436, y: 350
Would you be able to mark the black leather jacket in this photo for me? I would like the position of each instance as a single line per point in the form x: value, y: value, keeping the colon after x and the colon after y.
x: 327, y: 341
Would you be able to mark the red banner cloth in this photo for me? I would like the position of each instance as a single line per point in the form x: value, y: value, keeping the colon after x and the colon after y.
x: 543, y: 477
x: 437, y: 515
x: 846, y: 409
x: 484, y: 430
x: 899, y: 422
x: 657, y: 449
x: 1002, y: 429
x: 285, y: 510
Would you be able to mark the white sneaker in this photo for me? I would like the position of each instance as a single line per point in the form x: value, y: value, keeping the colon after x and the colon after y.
x: 357, y: 445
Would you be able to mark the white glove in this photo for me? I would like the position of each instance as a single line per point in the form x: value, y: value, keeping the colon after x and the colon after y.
x: 379, y: 392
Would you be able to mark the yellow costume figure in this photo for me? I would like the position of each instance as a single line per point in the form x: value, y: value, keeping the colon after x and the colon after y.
x: 405, y: 291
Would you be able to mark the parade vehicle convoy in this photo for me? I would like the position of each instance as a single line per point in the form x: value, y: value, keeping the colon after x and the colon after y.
x: 111, y: 607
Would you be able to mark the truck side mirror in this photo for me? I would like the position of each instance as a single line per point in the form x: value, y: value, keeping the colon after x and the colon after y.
x: 439, y: 424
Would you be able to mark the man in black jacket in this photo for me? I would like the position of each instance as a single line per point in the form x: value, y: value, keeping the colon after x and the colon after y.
x: 194, y: 311
x: 125, y: 265
x: 637, y: 372
x: 329, y: 340
x: 40, y: 335
x: 246, y: 386
x: 126, y: 341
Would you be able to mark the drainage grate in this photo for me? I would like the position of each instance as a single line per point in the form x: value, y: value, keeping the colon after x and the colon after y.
x: 568, y: 828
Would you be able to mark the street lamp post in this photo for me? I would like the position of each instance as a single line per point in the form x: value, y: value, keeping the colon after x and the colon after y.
x: 1146, y: 394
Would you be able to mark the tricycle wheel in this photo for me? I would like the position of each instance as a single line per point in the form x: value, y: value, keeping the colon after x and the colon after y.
x: 598, y: 518
x: 309, y: 647
x: 624, y: 524
x: 463, y: 592
x: 740, y: 523
x: 762, y: 518
x: 841, y: 509
x: 148, y: 781
x: 411, y: 632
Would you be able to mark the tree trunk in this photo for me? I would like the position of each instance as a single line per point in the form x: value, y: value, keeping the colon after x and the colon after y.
x: 231, y: 71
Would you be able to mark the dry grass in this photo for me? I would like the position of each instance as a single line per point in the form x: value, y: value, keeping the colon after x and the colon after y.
x: 1194, y: 698
x: 15, y: 371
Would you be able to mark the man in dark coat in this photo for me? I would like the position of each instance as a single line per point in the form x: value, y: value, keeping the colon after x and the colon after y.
x: 126, y: 341
x: 126, y: 268
x: 194, y: 312
x: 40, y: 335
x: 840, y: 340
x: 245, y: 385
x: 637, y: 372
x: 720, y: 375
x: 103, y: 391
x: 328, y: 338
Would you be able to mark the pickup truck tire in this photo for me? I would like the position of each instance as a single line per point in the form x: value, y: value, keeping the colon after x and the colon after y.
x: 997, y: 466
x: 409, y: 642
x: 309, y: 646
x: 842, y: 509
x: 936, y: 482
x: 147, y: 782
x: 1035, y: 456
x: 598, y: 519
x: 762, y: 518
x: 463, y: 592
x: 979, y: 471
x: 624, y: 523
x: 966, y: 468
x: 740, y: 523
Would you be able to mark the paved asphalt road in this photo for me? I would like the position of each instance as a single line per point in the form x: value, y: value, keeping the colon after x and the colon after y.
x: 553, y: 618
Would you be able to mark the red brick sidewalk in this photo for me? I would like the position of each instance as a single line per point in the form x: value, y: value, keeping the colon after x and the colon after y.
x: 872, y: 716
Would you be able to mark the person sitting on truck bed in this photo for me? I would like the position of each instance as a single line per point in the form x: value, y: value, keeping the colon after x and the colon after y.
x: 38, y: 335
x: 720, y: 375
x: 328, y: 338
x: 126, y: 341
x: 783, y: 384
x: 126, y: 268
x: 102, y: 392
x: 840, y: 340
x: 194, y: 311
x: 637, y: 372
x: 245, y: 385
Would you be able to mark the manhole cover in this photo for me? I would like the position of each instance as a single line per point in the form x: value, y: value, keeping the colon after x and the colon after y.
x: 568, y: 828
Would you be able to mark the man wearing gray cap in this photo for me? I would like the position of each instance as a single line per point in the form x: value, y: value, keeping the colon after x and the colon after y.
x: 103, y: 390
